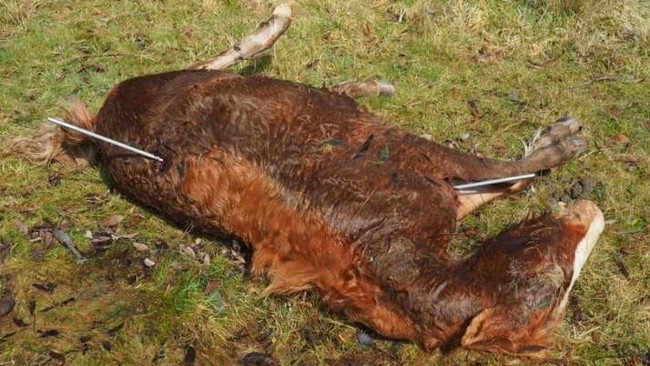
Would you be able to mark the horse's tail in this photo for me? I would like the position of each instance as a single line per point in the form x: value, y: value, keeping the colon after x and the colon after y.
x: 54, y: 143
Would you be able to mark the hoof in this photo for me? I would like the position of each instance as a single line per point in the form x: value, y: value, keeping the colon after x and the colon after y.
x: 564, y: 128
x: 558, y: 143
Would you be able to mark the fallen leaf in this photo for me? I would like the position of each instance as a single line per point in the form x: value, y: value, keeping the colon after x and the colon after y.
x: 475, y: 108
x: 102, y: 239
x: 95, y: 200
x: 187, y: 250
x: 112, y: 220
x: 368, y: 31
x: 140, y: 247
x: 179, y: 266
x: 616, y: 111
x: 59, y: 356
x: 135, y: 219
x: 7, y: 304
x: 149, y: 263
x: 470, y: 232
x: 213, y: 285
x: 595, y: 336
x: 19, y: 323
x: 47, y: 238
x: 47, y: 287
x: 4, y: 250
x: 48, y: 333
x: 22, y: 227
x: 107, y: 345
x: 65, y: 224
x: 621, y: 138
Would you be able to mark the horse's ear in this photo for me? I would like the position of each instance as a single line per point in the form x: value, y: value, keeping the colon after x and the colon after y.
x: 488, y: 330
x: 495, y: 330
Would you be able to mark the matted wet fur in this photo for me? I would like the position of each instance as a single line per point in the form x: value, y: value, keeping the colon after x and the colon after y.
x: 332, y: 199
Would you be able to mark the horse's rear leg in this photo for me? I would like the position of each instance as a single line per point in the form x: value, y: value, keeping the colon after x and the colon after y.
x: 368, y: 88
x: 556, y: 145
x: 260, y: 40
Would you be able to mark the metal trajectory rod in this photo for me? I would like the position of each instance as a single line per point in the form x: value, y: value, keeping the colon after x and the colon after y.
x: 155, y: 157
x: 104, y: 138
x: 490, y: 182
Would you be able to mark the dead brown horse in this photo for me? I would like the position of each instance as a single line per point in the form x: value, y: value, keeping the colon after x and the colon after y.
x: 330, y: 198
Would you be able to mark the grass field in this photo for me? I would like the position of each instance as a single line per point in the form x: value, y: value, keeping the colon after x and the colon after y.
x: 483, y: 75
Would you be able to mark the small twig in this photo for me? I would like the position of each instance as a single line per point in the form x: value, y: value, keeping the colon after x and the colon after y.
x: 597, y: 80
x: 260, y: 40
x: 64, y: 239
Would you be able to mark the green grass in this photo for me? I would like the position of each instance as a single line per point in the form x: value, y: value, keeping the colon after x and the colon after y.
x: 525, y: 63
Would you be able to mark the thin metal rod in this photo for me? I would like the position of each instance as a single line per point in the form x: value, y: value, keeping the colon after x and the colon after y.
x: 493, y: 181
x: 104, y: 138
